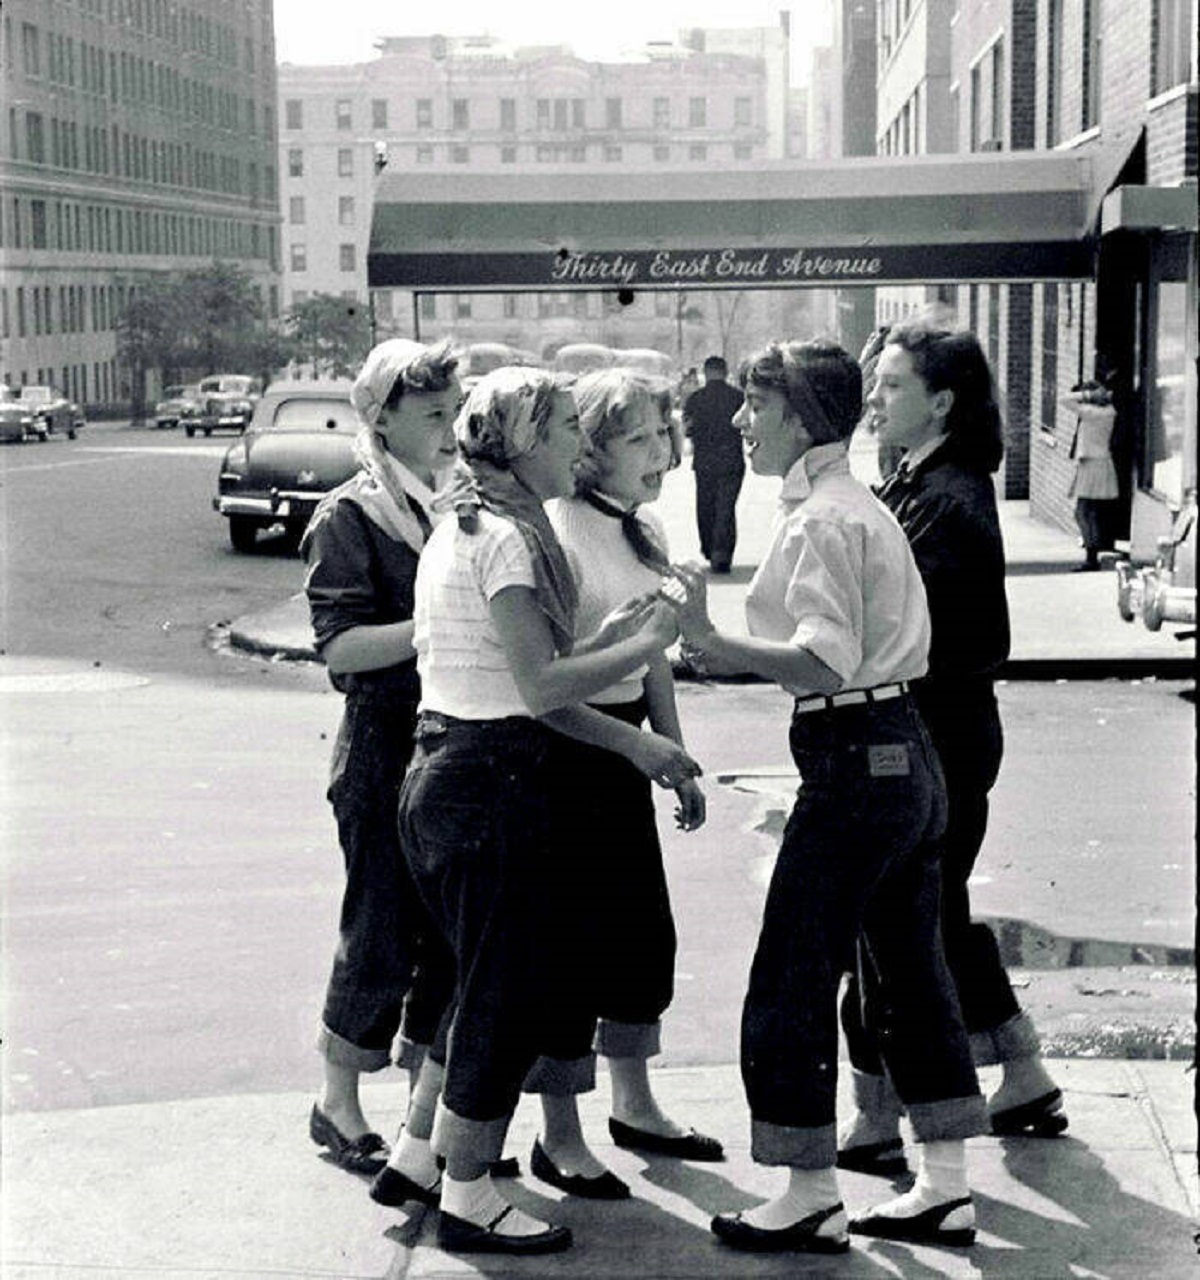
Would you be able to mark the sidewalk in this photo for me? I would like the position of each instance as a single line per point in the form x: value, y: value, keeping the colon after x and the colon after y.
x: 232, y: 1187
x: 1064, y: 624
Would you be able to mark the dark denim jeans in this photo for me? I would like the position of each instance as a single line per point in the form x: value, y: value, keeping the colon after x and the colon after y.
x: 391, y: 970
x: 855, y: 860
x: 475, y: 826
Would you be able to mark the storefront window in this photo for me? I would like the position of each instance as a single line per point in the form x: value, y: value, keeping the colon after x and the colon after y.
x: 1164, y: 440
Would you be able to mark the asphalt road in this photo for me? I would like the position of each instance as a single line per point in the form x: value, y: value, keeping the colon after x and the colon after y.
x: 171, y: 876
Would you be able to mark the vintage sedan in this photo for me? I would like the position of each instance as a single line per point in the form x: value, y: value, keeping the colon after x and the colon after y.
x: 55, y: 411
x: 227, y: 403
x: 18, y: 423
x: 299, y: 445
x: 179, y: 404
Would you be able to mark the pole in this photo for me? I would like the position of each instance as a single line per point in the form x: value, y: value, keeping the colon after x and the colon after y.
x: 416, y: 305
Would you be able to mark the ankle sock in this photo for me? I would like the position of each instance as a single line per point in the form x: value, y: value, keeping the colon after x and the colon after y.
x: 808, y: 1191
x: 941, y: 1178
x: 414, y: 1158
x: 477, y: 1201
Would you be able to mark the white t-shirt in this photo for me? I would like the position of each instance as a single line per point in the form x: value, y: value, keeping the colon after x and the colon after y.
x: 460, y: 658
x: 839, y: 578
x: 606, y: 572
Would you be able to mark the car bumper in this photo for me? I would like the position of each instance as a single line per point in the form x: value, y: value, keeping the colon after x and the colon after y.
x: 280, y: 505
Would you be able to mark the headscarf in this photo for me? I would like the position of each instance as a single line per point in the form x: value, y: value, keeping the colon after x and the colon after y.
x: 384, y: 487
x: 499, y: 423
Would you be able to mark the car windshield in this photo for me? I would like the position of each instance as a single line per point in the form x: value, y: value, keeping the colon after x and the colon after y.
x: 645, y: 361
x: 315, y: 415
x: 174, y: 393
x: 234, y: 384
x: 38, y: 395
x: 583, y: 358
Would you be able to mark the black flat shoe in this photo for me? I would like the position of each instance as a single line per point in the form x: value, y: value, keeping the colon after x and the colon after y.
x: 457, y: 1235
x: 367, y: 1154
x: 393, y: 1188
x: 801, y: 1236
x: 882, y: 1159
x: 605, y: 1186
x: 687, y: 1146
x: 1041, y: 1118
x: 921, y: 1228
x: 505, y: 1167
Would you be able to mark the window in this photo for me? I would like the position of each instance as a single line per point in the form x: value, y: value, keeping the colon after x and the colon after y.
x: 424, y: 113
x: 460, y: 154
x: 35, y: 143
x: 345, y: 211
x: 1049, y: 356
x: 508, y: 115
x: 662, y: 153
x: 697, y: 151
x: 342, y: 113
x: 612, y: 154
x: 31, y: 50
x: 543, y: 113
x: 577, y: 113
x: 1174, y: 36
x: 976, y: 107
x: 345, y: 257
x: 462, y: 306
x: 1091, y: 64
x: 508, y: 155
x: 295, y: 162
x: 741, y: 112
x: 1054, y: 72
x: 428, y: 306
x: 299, y: 258
x: 294, y: 113
x: 460, y: 117
x: 662, y: 113
x: 37, y: 224
x: 382, y: 301
x: 424, y: 155
x: 612, y: 113
x: 996, y: 129
x: 345, y: 162
x: 1164, y: 463
x: 379, y: 113
x: 993, y: 327
x: 560, y: 114
x: 296, y: 211
x: 510, y: 306
x: 697, y: 112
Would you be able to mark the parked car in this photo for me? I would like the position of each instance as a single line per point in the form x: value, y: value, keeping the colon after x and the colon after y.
x: 18, y: 423
x: 1166, y: 590
x: 583, y: 357
x: 646, y: 360
x: 54, y: 410
x: 227, y: 403
x: 179, y: 404
x: 299, y: 445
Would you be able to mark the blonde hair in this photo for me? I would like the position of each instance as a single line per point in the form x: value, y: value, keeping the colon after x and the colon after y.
x: 611, y: 402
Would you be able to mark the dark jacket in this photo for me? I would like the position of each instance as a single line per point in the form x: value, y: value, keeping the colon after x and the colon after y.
x: 708, y: 419
x: 949, y: 515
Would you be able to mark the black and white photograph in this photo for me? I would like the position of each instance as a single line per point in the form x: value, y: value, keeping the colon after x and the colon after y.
x: 597, y: 640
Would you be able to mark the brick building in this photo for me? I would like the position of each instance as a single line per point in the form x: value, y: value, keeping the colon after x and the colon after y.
x: 138, y: 140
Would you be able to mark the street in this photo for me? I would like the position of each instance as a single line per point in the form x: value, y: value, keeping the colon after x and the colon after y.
x: 172, y: 874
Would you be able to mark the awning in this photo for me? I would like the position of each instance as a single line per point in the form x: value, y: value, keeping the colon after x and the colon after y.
x: 870, y: 220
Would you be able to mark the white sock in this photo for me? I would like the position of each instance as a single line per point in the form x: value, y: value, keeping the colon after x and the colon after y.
x: 479, y: 1202
x: 941, y: 1178
x: 808, y: 1191
x: 414, y: 1158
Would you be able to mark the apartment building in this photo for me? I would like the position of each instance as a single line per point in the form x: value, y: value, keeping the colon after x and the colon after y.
x: 139, y: 139
x: 436, y: 104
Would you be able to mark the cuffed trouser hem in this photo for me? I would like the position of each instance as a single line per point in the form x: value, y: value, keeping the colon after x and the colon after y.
x: 409, y: 1054
x: 483, y: 1139
x: 628, y: 1039
x: 341, y: 1053
x: 1016, y: 1038
x: 875, y: 1096
x: 561, y: 1077
x: 949, y: 1119
x: 799, y: 1147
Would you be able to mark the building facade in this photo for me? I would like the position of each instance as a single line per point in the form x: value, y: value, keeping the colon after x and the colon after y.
x: 436, y: 104
x: 139, y: 139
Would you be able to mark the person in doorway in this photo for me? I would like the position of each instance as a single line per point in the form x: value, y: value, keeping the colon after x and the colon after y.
x: 624, y: 974
x: 495, y: 626
x: 934, y: 398
x: 837, y: 615
x: 1094, y: 484
x: 718, y: 461
x: 362, y: 547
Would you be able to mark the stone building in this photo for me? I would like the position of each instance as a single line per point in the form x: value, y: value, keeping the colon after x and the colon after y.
x: 139, y: 138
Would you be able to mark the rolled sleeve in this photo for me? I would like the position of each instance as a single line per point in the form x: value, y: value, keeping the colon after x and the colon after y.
x: 825, y: 594
x: 339, y: 584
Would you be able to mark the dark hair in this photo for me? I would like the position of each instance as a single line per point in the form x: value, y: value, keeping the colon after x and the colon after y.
x: 953, y: 360
x: 822, y: 383
x: 429, y: 372
x: 716, y: 364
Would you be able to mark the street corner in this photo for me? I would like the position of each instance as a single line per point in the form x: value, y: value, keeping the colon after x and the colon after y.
x: 282, y: 631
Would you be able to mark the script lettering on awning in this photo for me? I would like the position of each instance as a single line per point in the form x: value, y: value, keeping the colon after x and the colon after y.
x: 673, y: 265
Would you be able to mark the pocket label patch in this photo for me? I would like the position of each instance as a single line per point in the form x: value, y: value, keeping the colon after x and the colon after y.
x: 888, y: 760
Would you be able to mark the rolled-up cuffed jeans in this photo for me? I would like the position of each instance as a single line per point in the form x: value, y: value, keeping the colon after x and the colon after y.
x: 871, y: 800
x: 391, y: 972
x: 475, y: 829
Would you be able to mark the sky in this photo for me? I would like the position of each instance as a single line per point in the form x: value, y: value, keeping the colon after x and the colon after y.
x: 345, y: 30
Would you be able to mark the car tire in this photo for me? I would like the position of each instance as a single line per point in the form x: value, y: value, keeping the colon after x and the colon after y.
x: 243, y: 533
x: 71, y: 433
x: 207, y: 432
x: 190, y: 430
x: 1152, y: 610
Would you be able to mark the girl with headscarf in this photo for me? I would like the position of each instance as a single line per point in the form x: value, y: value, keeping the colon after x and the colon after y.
x: 362, y: 547
x: 495, y: 620
x: 617, y: 962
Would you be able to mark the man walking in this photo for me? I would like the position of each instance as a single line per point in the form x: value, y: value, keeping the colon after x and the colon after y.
x: 718, y: 461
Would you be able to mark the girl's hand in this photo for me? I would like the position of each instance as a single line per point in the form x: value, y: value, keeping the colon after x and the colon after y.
x: 664, y: 761
x: 662, y: 625
x: 692, y: 811
x: 624, y: 621
x: 687, y: 592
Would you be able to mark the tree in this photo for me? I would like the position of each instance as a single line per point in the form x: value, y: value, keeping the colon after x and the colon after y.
x: 332, y: 334
x: 147, y: 333
x: 223, y: 317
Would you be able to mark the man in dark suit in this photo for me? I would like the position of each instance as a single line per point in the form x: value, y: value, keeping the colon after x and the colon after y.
x: 718, y: 460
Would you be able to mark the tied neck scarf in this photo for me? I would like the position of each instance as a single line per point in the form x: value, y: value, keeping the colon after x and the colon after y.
x: 636, y: 534
x: 480, y: 483
x: 384, y: 490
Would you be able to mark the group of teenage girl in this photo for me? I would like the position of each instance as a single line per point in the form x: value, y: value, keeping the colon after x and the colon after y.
x: 493, y: 594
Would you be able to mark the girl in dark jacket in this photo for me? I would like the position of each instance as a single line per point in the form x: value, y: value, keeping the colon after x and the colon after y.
x: 934, y: 398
